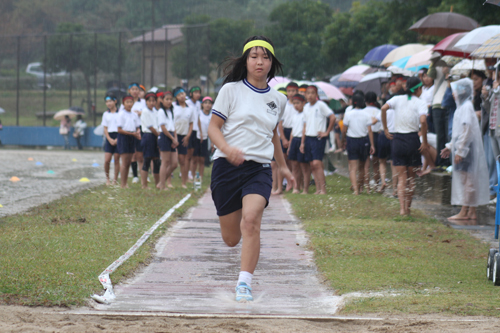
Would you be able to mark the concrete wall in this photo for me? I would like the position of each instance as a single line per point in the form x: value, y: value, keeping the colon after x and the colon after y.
x: 45, y: 136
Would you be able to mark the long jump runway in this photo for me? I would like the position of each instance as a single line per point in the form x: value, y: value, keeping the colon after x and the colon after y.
x: 194, y: 272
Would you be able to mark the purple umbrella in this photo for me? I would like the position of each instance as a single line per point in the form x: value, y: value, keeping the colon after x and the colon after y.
x: 375, y: 56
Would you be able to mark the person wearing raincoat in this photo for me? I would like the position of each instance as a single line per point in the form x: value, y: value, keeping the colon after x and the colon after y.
x: 469, y: 185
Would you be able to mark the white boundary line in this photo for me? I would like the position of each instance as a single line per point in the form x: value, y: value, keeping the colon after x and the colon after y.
x: 109, y: 294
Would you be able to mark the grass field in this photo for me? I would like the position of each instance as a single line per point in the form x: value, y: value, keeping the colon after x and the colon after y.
x: 421, y: 266
x: 53, y: 254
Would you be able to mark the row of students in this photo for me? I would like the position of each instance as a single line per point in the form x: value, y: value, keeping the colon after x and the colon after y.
x: 155, y: 127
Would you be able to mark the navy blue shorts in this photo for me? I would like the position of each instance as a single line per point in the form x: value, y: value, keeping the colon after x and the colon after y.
x: 192, y: 140
x: 126, y: 144
x: 108, y: 147
x: 384, y: 147
x: 231, y: 183
x: 201, y: 148
x: 358, y: 148
x: 294, y: 153
x: 164, y: 143
x: 180, y: 148
x: 138, y: 144
x: 405, y: 150
x: 287, y: 132
x: 375, y: 142
x: 150, y: 145
x: 314, y: 148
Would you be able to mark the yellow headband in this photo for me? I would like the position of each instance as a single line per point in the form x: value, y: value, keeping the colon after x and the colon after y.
x: 258, y: 42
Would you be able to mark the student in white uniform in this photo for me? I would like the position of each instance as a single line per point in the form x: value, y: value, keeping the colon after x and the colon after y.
x: 244, y: 130
x: 384, y: 153
x: 194, y: 103
x: 300, y: 168
x: 316, y: 114
x: 183, y: 120
x: 373, y: 108
x: 129, y: 130
x: 357, y: 138
x: 410, y: 112
x: 167, y: 141
x: 286, y: 123
x: 109, y: 123
x: 149, y: 141
x: 201, y: 149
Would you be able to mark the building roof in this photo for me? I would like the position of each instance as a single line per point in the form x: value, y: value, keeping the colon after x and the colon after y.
x: 170, y: 32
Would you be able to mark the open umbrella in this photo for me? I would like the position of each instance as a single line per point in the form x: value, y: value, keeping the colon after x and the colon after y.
x: 472, y: 40
x: 444, y: 24
x: 447, y: 46
x: 354, y: 73
x: 489, y: 49
x: 330, y: 90
x: 403, y: 51
x: 344, y: 84
x: 466, y: 65
x: 493, y: 2
x: 373, y: 82
x: 375, y: 56
x: 278, y: 79
x: 63, y: 113
x: 420, y: 59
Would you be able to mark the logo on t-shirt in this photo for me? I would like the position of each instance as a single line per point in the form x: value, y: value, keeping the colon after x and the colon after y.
x: 273, y: 107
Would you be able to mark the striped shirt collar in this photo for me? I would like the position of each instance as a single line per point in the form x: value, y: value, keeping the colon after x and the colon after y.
x: 257, y: 90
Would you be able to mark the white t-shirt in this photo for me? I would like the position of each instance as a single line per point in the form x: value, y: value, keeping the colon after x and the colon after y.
x: 250, y: 115
x: 407, y: 113
x: 390, y: 120
x: 427, y: 94
x: 196, y: 113
x: 149, y: 118
x: 315, y: 117
x: 298, y: 124
x: 289, y: 115
x: 182, y: 118
x: 128, y: 121
x: 373, y: 112
x: 110, y: 120
x: 139, y: 106
x: 166, y: 119
x: 205, y: 121
x: 357, y: 122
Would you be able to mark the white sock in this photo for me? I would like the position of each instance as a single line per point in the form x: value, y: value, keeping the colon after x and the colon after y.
x: 245, y: 277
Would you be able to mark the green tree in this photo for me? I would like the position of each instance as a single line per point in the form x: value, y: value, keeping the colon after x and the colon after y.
x: 227, y: 37
x: 75, y: 50
x: 297, y: 32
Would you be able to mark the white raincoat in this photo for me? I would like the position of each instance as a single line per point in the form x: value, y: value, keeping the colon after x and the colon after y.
x: 469, y: 185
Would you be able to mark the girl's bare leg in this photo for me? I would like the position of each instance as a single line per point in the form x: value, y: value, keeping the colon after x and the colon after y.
x: 383, y: 170
x: 107, y: 162
x: 183, y: 162
x: 362, y: 180
x: 402, y: 176
x: 306, y: 175
x: 117, y: 168
x: 353, y: 177
x: 410, y: 187
x: 165, y: 162
x: 395, y: 179
x: 253, y: 208
x: 125, y: 165
x: 174, y: 162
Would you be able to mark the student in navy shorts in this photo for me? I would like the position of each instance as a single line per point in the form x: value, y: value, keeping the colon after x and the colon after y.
x: 314, y: 135
x: 410, y: 112
x: 183, y: 120
x: 357, y: 137
x: 244, y: 118
x: 149, y: 140
x: 167, y: 142
x: 129, y: 131
x: 300, y: 168
x: 109, y: 124
x: 201, y: 149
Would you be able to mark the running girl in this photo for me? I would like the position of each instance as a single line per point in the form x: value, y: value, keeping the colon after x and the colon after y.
x: 149, y: 141
x: 244, y: 130
x: 167, y: 141
x: 183, y: 117
x: 201, y: 143
x: 129, y: 132
x: 109, y: 123
x: 409, y: 112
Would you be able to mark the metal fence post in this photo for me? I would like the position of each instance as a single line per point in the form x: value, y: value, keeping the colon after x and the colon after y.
x: 18, y: 65
x: 94, y: 105
x: 143, y: 57
x: 119, y: 61
x: 70, y: 68
x: 152, y: 80
x: 166, y: 58
x: 44, y: 78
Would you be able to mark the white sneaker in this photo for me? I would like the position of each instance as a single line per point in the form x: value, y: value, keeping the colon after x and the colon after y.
x: 148, y: 180
x: 135, y: 180
x: 190, y: 175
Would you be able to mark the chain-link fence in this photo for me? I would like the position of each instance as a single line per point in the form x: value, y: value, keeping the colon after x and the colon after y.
x: 42, y: 74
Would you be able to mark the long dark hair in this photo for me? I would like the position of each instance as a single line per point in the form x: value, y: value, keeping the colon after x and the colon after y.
x: 410, y: 83
x: 235, y: 68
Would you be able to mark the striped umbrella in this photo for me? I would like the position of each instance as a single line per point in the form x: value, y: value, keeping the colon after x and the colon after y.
x: 489, y: 49
x: 493, y: 2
